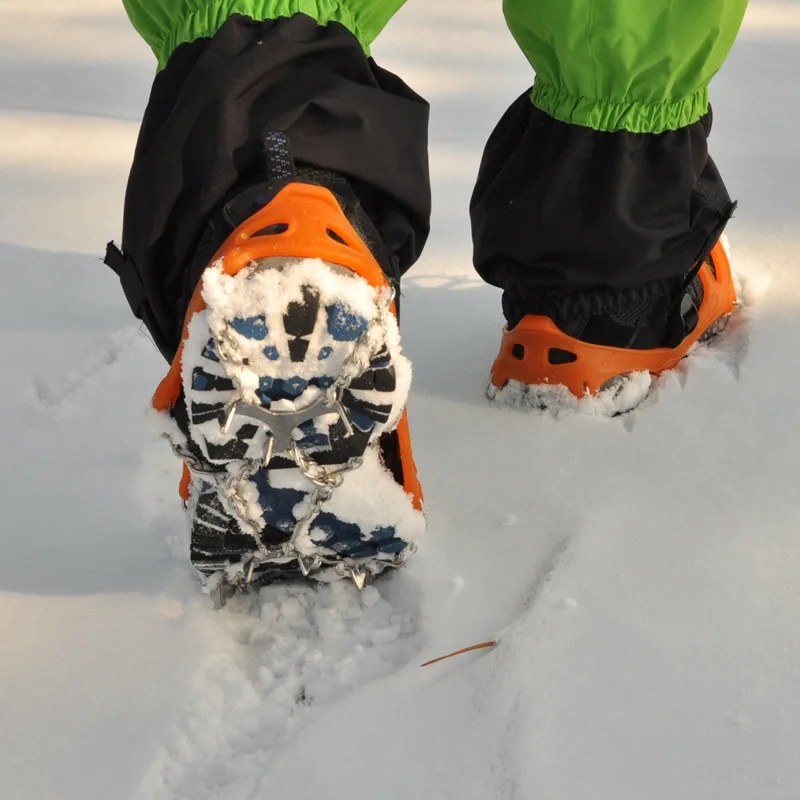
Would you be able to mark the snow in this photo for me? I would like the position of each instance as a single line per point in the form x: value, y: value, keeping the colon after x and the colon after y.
x: 641, y: 575
x: 301, y: 650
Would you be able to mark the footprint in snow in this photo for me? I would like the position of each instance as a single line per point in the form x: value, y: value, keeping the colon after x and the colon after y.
x: 279, y: 659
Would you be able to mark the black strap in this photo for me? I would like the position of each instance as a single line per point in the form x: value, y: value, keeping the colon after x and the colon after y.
x: 124, y: 267
x: 136, y: 296
x: 716, y: 199
x: 278, y: 156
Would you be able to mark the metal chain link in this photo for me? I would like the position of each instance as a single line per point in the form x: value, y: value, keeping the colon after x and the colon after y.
x: 325, y: 479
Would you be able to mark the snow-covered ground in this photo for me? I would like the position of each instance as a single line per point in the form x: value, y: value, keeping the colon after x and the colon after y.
x: 641, y: 575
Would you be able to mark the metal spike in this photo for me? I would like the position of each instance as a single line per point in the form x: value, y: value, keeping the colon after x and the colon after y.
x: 222, y: 594
x: 348, y: 426
x: 226, y: 425
x: 250, y: 570
x: 359, y: 577
x: 270, y: 448
x: 306, y: 563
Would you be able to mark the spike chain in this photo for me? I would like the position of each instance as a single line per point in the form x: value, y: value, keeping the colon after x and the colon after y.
x: 324, y: 479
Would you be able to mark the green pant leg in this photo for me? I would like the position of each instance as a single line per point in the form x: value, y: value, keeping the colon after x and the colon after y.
x: 638, y: 65
x: 164, y: 24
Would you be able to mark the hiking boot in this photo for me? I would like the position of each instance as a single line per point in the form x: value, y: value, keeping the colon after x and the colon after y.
x: 286, y: 401
x: 590, y: 343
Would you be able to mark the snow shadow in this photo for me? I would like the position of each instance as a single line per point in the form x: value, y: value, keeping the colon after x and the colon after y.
x: 59, y: 291
x: 73, y: 58
x: 451, y: 331
x: 114, y: 91
x: 78, y: 375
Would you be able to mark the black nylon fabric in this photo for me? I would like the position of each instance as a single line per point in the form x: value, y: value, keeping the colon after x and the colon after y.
x: 567, y: 220
x: 559, y: 208
x: 201, y: 142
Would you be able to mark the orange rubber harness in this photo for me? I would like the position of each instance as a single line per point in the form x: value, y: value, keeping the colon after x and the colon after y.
x: 311, y: 225
x: 525, y: 352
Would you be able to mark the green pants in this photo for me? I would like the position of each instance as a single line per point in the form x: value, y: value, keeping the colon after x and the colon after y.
x: 638, y: 65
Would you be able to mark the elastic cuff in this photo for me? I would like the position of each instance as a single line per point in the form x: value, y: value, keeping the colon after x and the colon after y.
x: 206, y: 21
x: 616, y: 115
